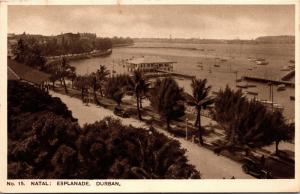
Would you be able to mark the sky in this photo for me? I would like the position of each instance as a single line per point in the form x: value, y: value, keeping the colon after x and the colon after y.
x: 155, y: 21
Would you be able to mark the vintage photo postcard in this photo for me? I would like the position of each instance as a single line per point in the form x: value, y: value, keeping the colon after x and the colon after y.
x: 149, y: 96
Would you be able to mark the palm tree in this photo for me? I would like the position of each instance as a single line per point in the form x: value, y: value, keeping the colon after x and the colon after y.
x: 200, y: 100
x: 249, y: 123
x: 82, y: 83
x: 65, y: 70
x: 139, y: 86
x: 167, y: 99
x: 115, y: 87
x: 94, y: 81
x: 102, y: 75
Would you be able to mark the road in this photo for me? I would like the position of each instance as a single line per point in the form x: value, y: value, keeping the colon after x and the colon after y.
x: 206, y: 162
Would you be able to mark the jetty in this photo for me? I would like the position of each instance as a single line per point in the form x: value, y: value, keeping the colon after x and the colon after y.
x: 288, y: 76
x: 266, y: 80
x: 178, y: 74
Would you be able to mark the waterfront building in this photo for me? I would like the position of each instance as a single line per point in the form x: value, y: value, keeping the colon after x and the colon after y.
x: 149, y: 64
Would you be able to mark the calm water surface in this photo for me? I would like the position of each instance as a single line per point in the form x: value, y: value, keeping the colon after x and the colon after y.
x: 189, y: 61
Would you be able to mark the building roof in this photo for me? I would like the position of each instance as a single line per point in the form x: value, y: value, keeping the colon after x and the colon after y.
x: 23, y: 72
x: 11, y: 75
x: 149, y: 60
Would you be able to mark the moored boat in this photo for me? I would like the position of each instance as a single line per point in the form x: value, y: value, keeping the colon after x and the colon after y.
x: 281, y: 87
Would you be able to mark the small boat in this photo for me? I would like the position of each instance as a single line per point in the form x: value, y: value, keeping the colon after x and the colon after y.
x: 241, y: 86
x: 251, y: 85
x: 292, y: 61
x: 260, y: 59
x: 261, y: 62
x: 250, y: 69
x: 281, y: 87
x: 292, y: 98
x: 214, y: 92
x: 285, y: 68
x: 252, y: 93
x: 278, y: 106
x: 216, y: 65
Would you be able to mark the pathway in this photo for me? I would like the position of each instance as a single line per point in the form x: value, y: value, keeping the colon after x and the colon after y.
x: 206, y: 162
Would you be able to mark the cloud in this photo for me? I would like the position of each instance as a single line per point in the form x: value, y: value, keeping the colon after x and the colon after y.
x: 152, y: 21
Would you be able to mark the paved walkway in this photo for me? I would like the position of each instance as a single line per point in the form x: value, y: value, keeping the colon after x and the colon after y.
x: 206, y: 162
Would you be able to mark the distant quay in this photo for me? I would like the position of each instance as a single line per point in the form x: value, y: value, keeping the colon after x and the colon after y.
x: 265, y: 80
x: 79, y: 56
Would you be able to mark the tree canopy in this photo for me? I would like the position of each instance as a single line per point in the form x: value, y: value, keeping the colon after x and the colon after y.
x: 248, y: 122
x: 49, y: 143
x: 167, y: 99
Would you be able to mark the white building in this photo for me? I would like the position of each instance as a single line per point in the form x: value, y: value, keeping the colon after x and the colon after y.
x: 149, y: 64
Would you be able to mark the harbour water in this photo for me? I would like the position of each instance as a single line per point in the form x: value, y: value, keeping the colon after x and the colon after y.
x: 221, y: 64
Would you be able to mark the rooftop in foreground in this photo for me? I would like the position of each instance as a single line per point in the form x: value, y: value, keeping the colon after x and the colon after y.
x: 23, y: 72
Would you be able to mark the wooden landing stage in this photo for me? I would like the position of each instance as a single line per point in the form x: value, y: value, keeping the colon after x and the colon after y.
x: 264, y: 80
x: 178, y: 74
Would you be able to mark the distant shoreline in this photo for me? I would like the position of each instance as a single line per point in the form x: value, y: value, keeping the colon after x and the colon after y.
x: 80, y: 56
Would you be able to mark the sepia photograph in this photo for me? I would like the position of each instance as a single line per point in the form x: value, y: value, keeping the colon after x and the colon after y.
x: 113, y: 92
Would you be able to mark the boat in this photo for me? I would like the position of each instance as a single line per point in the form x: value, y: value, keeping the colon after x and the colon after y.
x: 281, y: 87
x: 216, y: 65
x: 292, y: 61
x: 241, y: 86
x: 214, y: 92
x: 261, y: 62
x: 251, y: 85
x: 260, y: 59
x: 285, y: 68
x: 278, y: 106
x: 292, y: 98
x: 252, y: 93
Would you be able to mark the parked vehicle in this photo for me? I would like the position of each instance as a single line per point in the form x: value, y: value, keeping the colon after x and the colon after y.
x: 255, y: 169
x: 121, y: 112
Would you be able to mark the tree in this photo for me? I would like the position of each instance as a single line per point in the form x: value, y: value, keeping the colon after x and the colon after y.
x: 116, y: 87
x: 247, y: 123
x: 284, y: 132
x: 139, y: 86
x: 102, y: 76
x: 20, y: 51
x: 30, y: 53
x: 200, y: 100
x: 167, y: 99
x: 95, y: 84
x: 46, y: 143
x: 82, y: 83
x: 65, y: 70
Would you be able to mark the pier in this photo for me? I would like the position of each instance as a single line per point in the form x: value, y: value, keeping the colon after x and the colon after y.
x: 178, y: 74
x: 265, y: 80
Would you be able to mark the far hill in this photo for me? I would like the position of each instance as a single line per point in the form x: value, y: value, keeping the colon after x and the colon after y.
x: 276, y: 39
